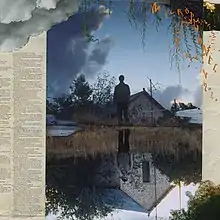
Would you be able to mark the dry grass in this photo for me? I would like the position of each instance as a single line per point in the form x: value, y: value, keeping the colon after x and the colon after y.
x: 94, y: 140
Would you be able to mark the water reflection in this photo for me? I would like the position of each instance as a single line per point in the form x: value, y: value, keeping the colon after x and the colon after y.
x: 122, y: 185
x: 123, y: 156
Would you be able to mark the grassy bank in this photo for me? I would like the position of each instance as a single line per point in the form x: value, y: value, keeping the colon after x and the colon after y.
x: 94, y: 140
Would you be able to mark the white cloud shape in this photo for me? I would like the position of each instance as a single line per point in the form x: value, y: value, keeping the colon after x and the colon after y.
x: 21, y: 19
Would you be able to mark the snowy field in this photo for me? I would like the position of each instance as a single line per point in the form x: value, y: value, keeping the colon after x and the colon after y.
x: 195, y: 115
x: 61, y: 130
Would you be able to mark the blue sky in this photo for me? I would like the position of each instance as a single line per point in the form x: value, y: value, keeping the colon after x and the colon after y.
x: 120, y: 51
x: 128, y: 57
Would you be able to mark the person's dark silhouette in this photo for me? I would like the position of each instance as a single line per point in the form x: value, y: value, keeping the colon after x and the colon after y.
x: 123, y: 141
x: 121, y: 98
x: 123, y: 157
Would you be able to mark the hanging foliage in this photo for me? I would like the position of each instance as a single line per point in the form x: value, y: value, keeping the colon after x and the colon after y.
x: 189, y: 18
x: 212, y: 16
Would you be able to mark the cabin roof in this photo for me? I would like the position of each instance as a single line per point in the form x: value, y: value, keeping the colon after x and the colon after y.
x: 147, y: 95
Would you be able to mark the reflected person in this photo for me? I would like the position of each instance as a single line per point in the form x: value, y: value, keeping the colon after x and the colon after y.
x: 123, y: 157
x: 121, y: 98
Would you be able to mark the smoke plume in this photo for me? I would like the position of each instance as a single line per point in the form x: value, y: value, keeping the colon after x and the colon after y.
x: 166, y: 96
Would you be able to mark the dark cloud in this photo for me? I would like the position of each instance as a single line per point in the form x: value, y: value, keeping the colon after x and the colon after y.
x: 100, y: 53
x: 68, y: 50
x: 98, y: 57
x: 64, y: 65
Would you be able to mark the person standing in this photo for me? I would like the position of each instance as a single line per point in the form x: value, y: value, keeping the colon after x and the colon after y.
x: 121, y: 98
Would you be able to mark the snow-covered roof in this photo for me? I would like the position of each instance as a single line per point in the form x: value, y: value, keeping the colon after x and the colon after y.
x: 195, y: 115
x: 62, y: 131
x: 66, y: 123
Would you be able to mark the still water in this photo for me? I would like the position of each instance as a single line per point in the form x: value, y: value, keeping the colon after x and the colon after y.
x: 124, y: 185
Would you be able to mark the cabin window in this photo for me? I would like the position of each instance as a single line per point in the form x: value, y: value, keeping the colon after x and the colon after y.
x: 146, y: 171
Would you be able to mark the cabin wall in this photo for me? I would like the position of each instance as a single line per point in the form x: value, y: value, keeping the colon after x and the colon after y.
x: 144, y: 193
x: 140, y: 110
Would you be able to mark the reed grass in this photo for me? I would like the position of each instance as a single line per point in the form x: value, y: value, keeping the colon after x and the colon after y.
x: 95, y: 140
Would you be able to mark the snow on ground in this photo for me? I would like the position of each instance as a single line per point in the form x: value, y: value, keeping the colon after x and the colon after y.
x: 194, y: 114
x: 66, y: 123
x: 61, y: 131
x: 127, y: 209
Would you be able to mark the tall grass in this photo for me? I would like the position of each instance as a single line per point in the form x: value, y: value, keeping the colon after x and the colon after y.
x: 96, y: 140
